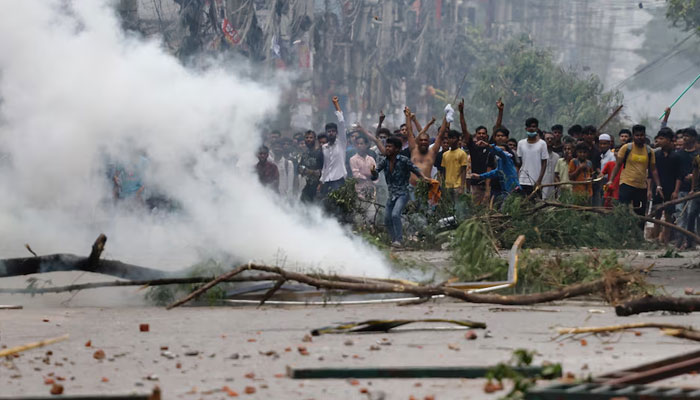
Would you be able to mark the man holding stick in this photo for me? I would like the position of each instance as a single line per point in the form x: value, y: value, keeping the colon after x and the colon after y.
x: 638, y: 161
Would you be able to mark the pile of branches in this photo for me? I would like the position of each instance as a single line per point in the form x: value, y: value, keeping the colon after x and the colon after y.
x: 614, y: 285
x: 611, y: 286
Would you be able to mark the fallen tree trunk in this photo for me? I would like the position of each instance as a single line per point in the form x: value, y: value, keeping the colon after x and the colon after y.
x: 70, y: 262
x: 608, y: 286
x: 651, y: 303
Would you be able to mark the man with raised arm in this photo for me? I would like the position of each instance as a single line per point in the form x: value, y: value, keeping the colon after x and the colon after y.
x: 334, y: 172
x: 422, y: 155
x: 397, y: 170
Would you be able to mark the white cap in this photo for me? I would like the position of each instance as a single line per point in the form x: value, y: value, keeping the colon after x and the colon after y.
x: 605, y: 136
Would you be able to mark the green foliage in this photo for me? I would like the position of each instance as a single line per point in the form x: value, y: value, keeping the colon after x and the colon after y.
x: 539, y: 273
x: 563, y: 227
x: 671, y: 253
x: 166, y: 294
x: 343, y: 202
x: 474, y: 253
x: 531, y: 84
x: 521, y: 383
x: 684, y: 13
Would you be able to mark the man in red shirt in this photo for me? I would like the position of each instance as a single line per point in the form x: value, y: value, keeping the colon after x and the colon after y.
x: 267, y: 171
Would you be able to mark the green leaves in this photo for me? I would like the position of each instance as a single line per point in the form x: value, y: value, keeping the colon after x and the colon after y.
x: 684, y: 13
x: 531, y: 84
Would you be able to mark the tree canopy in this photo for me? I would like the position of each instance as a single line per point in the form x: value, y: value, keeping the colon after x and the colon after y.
x: 532, y: 85
x: 685, y: 14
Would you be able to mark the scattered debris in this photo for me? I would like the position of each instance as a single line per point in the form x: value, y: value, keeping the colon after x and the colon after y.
x: 144, y: 328
x: 56, y: 389
x: 10, y: 307
x: 98, y: 355
x: 230, y: 392
x: 33, y: 345
x: 470, y: 335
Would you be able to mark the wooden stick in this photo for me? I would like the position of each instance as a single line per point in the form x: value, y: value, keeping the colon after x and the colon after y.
x: 670, y: 225
x: 33, y: 345
x: 683, y: 333
x: 571, y: 183
x: 145, y: 283
x: 615, y: 328
x: 208, y: 286
x: 272, y: 291
x: 617, y: 110
x: 689, y: 197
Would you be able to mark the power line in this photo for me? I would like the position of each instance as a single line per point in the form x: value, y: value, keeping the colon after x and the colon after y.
x: 672, y: 52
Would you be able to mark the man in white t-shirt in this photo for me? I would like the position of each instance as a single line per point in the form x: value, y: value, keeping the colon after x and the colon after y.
x: 334, y: 172
x: 534, y: 155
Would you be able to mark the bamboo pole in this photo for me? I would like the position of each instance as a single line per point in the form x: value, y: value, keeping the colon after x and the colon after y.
x: 32, y: 345
x: 615, y: 328
x: 679, y: 97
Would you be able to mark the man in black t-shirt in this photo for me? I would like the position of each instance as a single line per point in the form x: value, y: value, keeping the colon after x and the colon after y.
x: 482, y: 159
x: 668, y: 165
x: 687, y: 154
x: 309, y: 167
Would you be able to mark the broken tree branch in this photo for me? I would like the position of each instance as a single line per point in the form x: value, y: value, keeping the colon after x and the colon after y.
x: 146, y: 283
x: 70, y: 262
x: 664, y: 303
x: 606, y: 285
x: 208, y: 286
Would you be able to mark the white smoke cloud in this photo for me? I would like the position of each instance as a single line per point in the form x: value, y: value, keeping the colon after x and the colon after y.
x: 75, y: 88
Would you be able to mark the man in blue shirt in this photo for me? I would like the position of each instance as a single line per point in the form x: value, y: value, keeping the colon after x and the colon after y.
x: 397, y: 170
x: 506, y: 171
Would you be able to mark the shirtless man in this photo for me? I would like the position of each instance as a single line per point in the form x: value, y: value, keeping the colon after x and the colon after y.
x: 422, y: 155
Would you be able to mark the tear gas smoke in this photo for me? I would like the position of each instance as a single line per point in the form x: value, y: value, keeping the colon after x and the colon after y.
x: 77, y: 94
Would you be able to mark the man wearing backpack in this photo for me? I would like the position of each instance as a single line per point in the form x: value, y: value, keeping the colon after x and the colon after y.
x: 638, y: 161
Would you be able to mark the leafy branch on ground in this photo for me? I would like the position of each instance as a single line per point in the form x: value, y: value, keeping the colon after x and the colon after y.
x: 166, y: 294
x: 521, y: 383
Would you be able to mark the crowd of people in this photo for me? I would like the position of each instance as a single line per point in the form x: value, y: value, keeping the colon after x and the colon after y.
x: 584, y: 166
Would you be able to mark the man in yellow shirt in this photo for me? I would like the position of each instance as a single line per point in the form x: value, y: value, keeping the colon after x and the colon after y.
x: 639, y: 161
x: 455, y: 163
